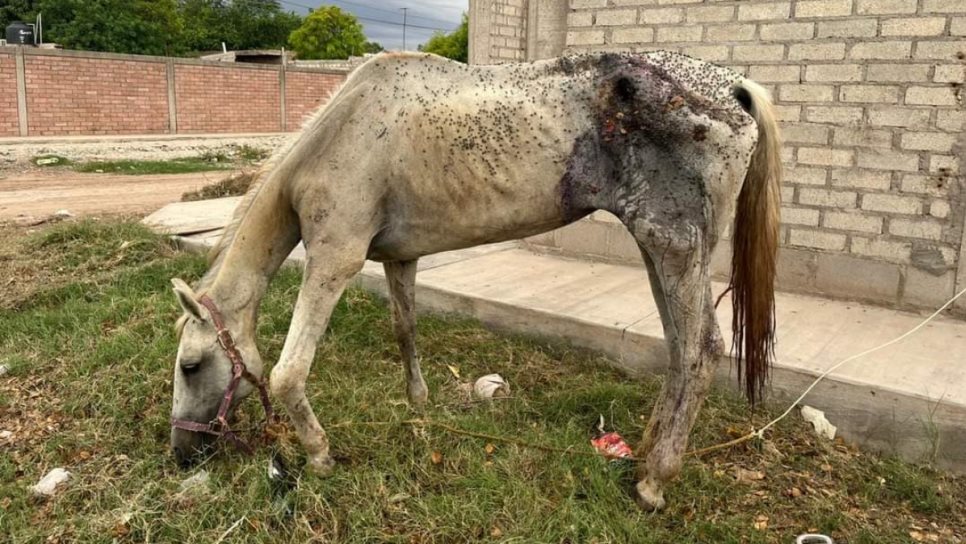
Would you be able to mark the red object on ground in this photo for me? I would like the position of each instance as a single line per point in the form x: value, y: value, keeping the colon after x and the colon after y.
x: 612, y: 445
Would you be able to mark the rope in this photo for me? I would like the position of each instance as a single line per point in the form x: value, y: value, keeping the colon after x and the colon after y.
x: 760, y: 433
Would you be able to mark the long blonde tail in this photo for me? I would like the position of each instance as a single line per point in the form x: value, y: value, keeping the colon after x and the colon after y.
x: 755, y: 246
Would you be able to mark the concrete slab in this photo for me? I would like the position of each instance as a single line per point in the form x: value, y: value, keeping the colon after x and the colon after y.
x: 909, y: 399
x: 182, y: 218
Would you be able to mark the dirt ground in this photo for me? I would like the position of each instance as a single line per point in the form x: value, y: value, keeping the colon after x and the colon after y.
x: 33, y: 195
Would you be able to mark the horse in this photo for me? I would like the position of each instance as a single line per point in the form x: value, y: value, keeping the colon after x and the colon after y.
x: 417, y: 154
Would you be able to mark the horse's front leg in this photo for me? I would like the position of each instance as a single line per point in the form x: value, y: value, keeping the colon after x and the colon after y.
x: 682, y: 290
x: 327, y: 271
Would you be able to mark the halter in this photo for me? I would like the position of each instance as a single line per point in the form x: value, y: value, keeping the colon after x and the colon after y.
x: 219, y: 426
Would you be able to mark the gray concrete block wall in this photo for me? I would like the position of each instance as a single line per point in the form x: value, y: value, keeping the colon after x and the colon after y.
x: 498, y: 31
x: 870, y: 94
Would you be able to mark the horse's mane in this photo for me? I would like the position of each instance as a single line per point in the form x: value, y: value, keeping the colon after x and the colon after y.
x: 217, y: 253
x: 264, y: 175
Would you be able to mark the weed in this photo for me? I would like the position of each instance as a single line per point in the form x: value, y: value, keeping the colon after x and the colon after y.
x: 251, y: 153
x: 234, y: 185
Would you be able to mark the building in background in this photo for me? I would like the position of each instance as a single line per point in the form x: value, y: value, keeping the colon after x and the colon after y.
x: 870, y: 94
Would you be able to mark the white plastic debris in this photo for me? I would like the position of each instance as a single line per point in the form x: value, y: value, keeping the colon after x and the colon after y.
x: 3, y: 370
x: 48, y: 160
x: 817, y: 418
x: 63, y: 214
x: 197, y: 481
x: 48, y: 484
x: 491, y: 385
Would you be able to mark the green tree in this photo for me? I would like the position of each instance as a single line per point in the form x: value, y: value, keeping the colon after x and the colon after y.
x: 328, y: 33
x: 150, y: 27
x: 17, y: 10
x: 373, y: 47
x: 240, y: 24
x: 455, y: 45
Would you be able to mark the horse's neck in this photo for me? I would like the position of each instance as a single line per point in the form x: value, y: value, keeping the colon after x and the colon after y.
x: 265, y: 236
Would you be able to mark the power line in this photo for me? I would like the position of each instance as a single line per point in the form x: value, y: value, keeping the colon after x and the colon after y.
x: 389, y: 11
x: 303, y: 6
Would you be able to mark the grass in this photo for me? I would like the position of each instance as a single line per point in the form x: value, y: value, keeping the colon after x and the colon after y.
x: 87, y: 331
x: 209, y: 161
x: 140, y: 168
x: 234, y: 185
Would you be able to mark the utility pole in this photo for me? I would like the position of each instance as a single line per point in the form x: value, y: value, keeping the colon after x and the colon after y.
x: 405, y: 14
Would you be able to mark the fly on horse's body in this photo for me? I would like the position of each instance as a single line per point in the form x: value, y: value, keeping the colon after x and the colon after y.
x: 417, y: 155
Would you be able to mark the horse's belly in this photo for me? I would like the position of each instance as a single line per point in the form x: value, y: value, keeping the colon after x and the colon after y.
x: 406, y: 237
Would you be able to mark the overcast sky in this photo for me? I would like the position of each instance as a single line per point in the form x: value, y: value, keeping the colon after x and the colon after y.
x: 383, y: 19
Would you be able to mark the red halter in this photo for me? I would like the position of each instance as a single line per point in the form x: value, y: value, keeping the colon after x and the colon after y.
x: 219, y: 426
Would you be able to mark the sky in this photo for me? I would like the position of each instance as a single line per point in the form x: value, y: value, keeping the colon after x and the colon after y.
x: 383, y: 19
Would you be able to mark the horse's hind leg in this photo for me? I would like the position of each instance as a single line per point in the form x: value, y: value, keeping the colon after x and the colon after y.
x: 681, y: 286
x: 401, y: 276
x: 328, y: 268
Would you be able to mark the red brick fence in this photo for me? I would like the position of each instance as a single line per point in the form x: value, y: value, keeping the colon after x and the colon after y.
x: 54, y: 93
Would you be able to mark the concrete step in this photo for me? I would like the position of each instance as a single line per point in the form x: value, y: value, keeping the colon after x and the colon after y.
x: 909, y: 399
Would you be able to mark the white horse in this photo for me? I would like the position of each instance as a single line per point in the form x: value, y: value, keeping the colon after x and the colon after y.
x: 417, y: 154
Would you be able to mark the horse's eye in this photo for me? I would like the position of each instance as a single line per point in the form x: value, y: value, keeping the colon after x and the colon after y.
x: 190, y: 367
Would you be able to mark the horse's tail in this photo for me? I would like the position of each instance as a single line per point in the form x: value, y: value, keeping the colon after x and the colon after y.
x: 755, y: 246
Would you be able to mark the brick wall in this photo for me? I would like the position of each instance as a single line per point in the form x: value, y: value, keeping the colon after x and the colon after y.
x: 221, y: 99
x: 305, y: 92
x: 9, y: 125
x: 74, y: 96
x: 82, y: 92
x: 871, y: 101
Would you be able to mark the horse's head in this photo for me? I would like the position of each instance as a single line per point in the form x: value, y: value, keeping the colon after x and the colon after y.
x: 203, y: 371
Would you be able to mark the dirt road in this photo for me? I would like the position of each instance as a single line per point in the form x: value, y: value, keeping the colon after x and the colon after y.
x: 38, y: 194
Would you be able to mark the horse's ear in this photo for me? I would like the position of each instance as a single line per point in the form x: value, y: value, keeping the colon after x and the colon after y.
x: 187, y: 299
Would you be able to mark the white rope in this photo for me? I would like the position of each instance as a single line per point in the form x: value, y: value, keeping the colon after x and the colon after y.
x: 760, y: 433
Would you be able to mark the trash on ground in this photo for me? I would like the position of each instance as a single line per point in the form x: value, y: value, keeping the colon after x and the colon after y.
x: 610, y: 444
x: 3, y: 370
x: 196, y: 481
x: 490, y: 386
x: 817, y: 418
x: 47, y: 485
x: 813, y: 539
x: 46, y: 161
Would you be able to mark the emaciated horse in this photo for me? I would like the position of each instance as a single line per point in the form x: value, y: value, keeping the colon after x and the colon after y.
x: 417, y: 154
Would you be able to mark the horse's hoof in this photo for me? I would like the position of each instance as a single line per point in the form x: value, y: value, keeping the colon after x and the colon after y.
x: 649, y: 498
x: 322, y: 465
x: 418, y: 394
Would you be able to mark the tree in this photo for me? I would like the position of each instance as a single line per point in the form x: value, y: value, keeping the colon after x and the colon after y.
x: 150, y: 27
x: 240, y: 24
x: 455, y: 45
x: 328, y: 33
x: 373, y: 47
x: 17, y: 10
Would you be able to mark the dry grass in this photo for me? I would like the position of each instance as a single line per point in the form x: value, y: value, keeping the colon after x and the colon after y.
x: 234, y: 185
x: 88, y: 335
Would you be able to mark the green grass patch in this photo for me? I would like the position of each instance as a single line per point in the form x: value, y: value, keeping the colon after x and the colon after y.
x: 139, y: 167
x: 93, y: 353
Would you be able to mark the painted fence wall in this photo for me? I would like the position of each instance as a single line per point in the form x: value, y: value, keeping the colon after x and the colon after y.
x: 59, y: 93
x: 870, y: 94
